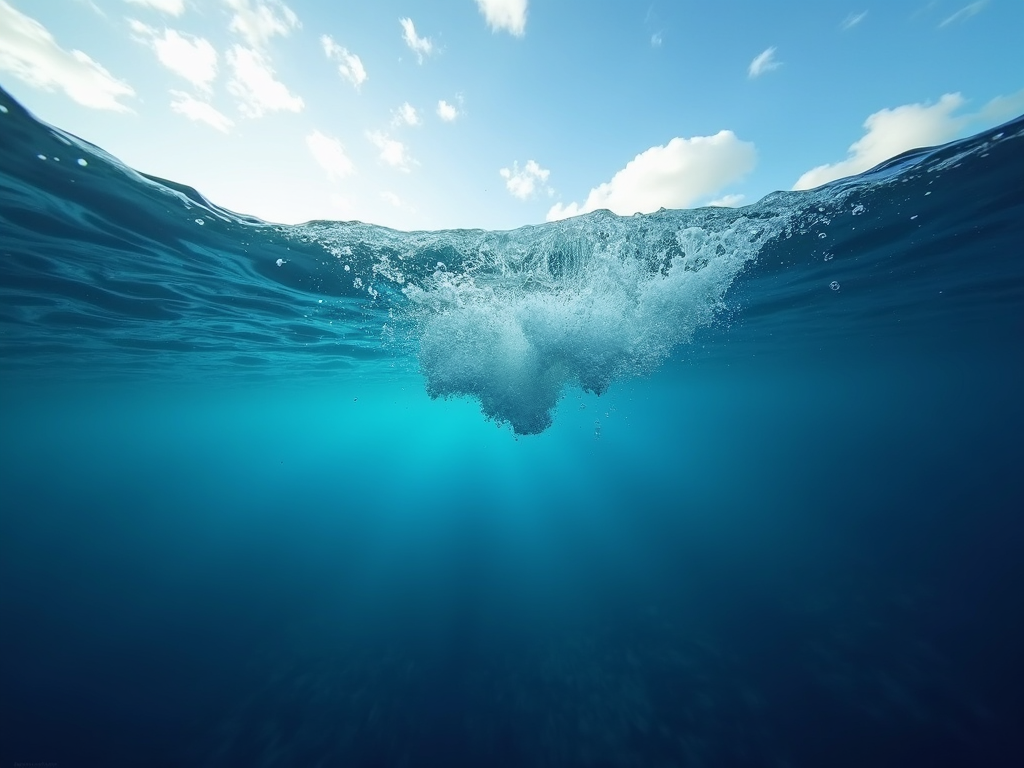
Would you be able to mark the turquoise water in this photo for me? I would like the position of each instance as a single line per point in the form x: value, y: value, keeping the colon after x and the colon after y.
x: 698, y: 488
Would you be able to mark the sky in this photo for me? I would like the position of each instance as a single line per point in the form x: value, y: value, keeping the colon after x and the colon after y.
x: 418, y: 114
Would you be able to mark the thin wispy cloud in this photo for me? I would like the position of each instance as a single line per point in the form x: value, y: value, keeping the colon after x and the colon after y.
x: 421, y: 46
x: 330, y: 155
x: 200, y: 111
x: 30, y: 53
x: 509, y: 15
x: 350, y: 66
x: 965, y: 13
x: 257, y: 22
x: 524, y: 182
x: 656, y: 40
x: 853, y: 20
x: 763, y: 62
x: 170, y: 7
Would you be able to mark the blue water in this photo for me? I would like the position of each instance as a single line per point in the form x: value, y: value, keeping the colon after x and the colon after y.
x: 696, y: 488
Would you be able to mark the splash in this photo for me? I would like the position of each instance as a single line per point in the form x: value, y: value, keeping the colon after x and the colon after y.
x: 513, y: 319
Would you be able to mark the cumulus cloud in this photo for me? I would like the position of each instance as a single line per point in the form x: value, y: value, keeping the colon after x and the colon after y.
x: 170, y: 7
x: 406, y: 115
x: 199, y: 111
x: 523, y: 182
x: 763, y: 62
x: 193, y: 58
x: 504, y: 14
x: 350, y: 66
x: 853, y: 19
x: 675, y: 175
x: 30, y: 53
x: 890, y: 132
x: 446, y: 111
x: 254, y: 85
x: 330, y: 154
x: 964, y: 13
x: 392, y: 151
x: 261, y: 20
x: 421, y: 46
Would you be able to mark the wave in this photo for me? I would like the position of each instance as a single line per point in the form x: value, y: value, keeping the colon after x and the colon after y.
x: 107, y: 267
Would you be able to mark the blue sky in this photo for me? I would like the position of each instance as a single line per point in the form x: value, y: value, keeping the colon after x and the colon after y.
x: 498, y: 113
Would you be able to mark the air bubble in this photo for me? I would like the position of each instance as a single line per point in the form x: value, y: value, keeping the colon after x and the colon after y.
x: 83, y: 162
x: 41, y: 157
x: 280, y: 262
x: 3, y: 109
x: 834, y: 285
x: 200, y: 222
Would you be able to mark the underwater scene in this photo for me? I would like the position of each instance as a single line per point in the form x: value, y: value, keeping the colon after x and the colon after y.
x: 710, y: 487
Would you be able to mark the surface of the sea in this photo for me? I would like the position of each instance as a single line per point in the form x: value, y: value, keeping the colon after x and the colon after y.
x: 716, y: 487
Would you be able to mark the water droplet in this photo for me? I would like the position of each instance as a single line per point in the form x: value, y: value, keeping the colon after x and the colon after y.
x: 41, y: 157
x: 834, y: 285
x: 828, y: 257
x: 200, y: 222
x: 3, y: 109
x: 279, y: 262
x: 83, y: 162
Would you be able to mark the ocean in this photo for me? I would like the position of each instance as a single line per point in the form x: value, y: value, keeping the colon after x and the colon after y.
x: 713, y: 487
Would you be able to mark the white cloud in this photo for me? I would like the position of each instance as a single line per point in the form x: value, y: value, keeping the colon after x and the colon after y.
x: 965, y: 13
x: 656, y: 40
x: 330, y: 154
x: 350, y: 66
x: 727, y: 201
x: 194, y: 109
x: 763, y: 62
x: 890, y: 132
x: 853, y: 19
x: 672, y: 176
x: 407, y: 114
x: 504, y: 14
x: 522, y: 183
x: 261, y: 20
x: 446, y: 111
x: 170, y: 7
x: 421, y: 46
x: 1000, y: 109
x: 392, y: 151
x: 191, y: 57
x: 29, y: 52
x: 254, y: 85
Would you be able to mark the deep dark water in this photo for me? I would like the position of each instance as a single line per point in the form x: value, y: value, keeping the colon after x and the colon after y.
x: 796, y: 543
